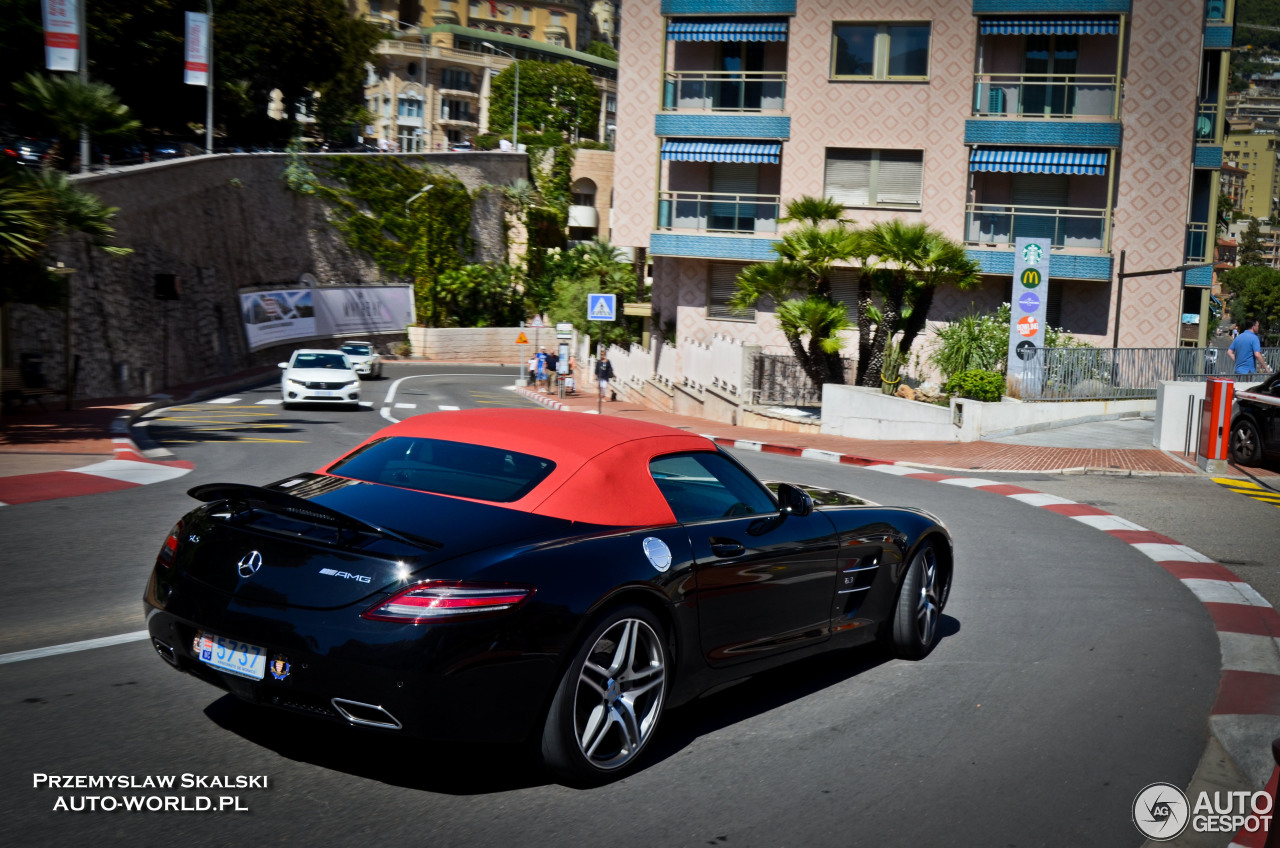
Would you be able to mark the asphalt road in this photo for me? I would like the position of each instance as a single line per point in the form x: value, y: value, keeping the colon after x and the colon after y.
x: 1072, y: 673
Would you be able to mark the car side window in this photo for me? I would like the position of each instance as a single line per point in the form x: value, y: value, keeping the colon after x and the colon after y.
x: 702, y: 486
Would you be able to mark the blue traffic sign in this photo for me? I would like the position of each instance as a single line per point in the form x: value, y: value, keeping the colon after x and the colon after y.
x: 602, y: 307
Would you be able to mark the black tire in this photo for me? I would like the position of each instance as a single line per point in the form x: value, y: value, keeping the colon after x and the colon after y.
x: 1246, y: 443
x: 618, y: 676
x: 285, y: 405
x: 920, y: 601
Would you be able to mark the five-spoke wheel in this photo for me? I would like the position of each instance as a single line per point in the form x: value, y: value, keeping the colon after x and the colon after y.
x: 610, y: 699
x: 924, y: 592
x: 1246, y: 443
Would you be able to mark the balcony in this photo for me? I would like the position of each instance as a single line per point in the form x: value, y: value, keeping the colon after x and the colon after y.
x: 725, y: 91
x: 998, y: 224
x: 1030, y: 96
x: 718, y: 212
x: 1207, y: 123
x: 1198, y: 242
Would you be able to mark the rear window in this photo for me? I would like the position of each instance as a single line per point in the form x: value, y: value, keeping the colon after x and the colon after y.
x: 447, y: 468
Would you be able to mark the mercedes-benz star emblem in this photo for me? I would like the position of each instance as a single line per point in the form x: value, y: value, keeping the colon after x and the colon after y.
x: 249, y: 564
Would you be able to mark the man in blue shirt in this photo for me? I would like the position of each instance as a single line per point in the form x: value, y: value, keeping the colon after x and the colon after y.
x: 1246, y: 350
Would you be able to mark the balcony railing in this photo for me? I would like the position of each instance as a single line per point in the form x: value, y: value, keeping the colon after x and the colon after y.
x: 725, y: 91
x: 1045, y: 95
x: 1207, y: 123
x: 1065, y: 227
x: 1198, y: 242
x: 714, y: 212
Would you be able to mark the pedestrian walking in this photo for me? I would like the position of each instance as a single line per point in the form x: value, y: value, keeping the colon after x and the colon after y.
x: 604, y: 373
x: 542, y: 370
x: 568, y: 377
x: 532, y: 367
x: 1246, y: 350
x: 553, y: 370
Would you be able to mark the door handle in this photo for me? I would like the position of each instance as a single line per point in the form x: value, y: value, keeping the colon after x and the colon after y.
x: 726, y: 548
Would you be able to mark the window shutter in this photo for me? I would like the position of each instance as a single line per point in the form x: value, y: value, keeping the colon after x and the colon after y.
x: 848, y: 176
x: 724, y: 284
x: 900, y: 178
x: 844, y: 289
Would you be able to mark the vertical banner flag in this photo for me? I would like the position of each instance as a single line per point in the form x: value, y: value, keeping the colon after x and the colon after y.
x: 1028, y: 310
x: 61, y: 35
x: 197, y: 63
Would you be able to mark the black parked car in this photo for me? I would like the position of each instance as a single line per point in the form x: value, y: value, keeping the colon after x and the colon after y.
x: 521, y: 574
x: 1255, y: 423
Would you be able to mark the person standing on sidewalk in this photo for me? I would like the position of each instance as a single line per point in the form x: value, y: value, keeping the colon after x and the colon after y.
x: 1246, y: 350
x: 604, y: 373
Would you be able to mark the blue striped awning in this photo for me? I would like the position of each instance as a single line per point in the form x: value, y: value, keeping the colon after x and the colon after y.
x: 710, y: 151
x: 1033, y: 160
x: 1049, y: 26
x: 727, y: 31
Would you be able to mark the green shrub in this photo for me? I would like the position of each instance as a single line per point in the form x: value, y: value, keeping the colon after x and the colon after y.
x: 977, y: 385
x: 486, y: 141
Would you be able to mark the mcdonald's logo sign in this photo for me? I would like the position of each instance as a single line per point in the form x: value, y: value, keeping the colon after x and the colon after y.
x: 1030, y: 278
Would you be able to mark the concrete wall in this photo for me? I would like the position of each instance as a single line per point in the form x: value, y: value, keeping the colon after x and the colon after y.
x: 861, y: 413
x: 479, y: 344
x: 221, y: 223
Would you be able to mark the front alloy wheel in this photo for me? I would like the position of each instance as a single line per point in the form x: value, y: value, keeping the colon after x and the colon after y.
x: 915, y: 622
x: 610, y: 699
x: 1245, y: 445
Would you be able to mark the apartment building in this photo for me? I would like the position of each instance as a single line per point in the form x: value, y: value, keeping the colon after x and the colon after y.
x: 1254, y: 146
x: 430, y: 89
x: 1095, y: 123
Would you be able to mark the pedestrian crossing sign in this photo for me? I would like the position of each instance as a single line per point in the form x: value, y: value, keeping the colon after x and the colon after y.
x: 602, y: 307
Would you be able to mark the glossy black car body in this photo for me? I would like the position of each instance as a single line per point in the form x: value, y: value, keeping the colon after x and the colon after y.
x: 1255, y: 423
x: 296, y: 567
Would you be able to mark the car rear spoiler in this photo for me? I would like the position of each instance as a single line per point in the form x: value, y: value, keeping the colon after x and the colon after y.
x: 241, y: 496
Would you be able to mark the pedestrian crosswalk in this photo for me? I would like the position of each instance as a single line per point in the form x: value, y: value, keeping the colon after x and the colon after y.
x: 1251, y: 490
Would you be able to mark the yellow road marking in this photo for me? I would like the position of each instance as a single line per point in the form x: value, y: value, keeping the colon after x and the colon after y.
x: 1231, y: 481
x: 1249, y: 489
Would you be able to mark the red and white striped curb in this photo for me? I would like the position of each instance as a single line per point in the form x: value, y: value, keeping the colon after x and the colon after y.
x: 128, y: 469
x: 1246, y: 715
x: 545, y: 400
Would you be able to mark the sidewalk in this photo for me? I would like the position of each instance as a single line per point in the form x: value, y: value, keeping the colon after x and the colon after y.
x: 988, y: 456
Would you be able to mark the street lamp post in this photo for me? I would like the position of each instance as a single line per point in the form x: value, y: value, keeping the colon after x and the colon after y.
x: 515, y: 112
x: 422, y: 71
x: 1122, y: 275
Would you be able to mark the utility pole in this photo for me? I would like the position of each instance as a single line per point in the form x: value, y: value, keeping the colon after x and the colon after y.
x: 83, y: 15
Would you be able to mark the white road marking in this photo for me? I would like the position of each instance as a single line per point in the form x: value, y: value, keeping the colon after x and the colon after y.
x: 1161, y: 552
x: 1041, y: 499
x: 444, y: 408
x: 969, y: 482
x: 131, y: 471
x: 1108, y: 522
x: 367, y: 404
x: 1224, y: 592
x: 899, y: 470
x: 406, y: 406
x: 72, y: 647
x: 271, y: 402
x: 385, y: 412
x: 224, y: 400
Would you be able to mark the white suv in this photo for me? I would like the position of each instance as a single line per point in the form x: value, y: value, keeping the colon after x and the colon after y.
x: 319, y: 376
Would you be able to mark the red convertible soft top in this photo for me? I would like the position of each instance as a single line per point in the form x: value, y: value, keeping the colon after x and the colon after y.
x: 602, y: 463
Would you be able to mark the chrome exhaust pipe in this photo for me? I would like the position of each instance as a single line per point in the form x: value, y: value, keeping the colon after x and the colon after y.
x: 165, y: 651
x: 365, y: 715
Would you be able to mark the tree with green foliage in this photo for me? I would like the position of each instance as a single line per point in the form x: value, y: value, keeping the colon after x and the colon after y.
x: 66, y: 105
x: 602, y: 49
x: 380, y: 209
x: 556, y: 96
x: 1254, y: 292
x: 799, y: 283
x: 597, y: 267
x: 1249, y: 249
x: 1226, y: 212
x: 480, y: 296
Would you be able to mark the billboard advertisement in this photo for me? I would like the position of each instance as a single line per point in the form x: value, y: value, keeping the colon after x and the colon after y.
x: 196, y: 66
x: 283, y: 315
x: 61, y: 35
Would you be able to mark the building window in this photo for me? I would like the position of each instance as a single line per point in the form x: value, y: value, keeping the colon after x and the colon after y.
x: 473, y: 9
x: 860, y: 177
x: 721, y: 287
x: 611, y: 103
x: 410, y: 140
x: 455, y: 110
x: 455, y: 79
x: 526, y: 15
x: 880, y: 51
x: 410, y: 108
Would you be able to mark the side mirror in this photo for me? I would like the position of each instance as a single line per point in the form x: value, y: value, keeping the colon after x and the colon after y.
x: 283, y: 364
x: 792, y: 500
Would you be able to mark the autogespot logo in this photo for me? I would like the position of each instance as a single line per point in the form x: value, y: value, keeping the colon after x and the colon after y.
x: 1160, y: 812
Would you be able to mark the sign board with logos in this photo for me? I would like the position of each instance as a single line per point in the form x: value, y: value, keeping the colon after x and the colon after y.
x: 1028, y: 310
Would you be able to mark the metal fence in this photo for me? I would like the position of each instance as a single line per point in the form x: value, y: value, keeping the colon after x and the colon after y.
x: 1090, y: 373
x: 778, y: 380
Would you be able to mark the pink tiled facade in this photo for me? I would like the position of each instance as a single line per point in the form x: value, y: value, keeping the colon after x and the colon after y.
x: 1147, y: 188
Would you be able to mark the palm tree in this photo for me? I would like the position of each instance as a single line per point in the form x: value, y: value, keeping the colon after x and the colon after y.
x: 910, y: 261
x: 799, y: 283
x: 71, y: 105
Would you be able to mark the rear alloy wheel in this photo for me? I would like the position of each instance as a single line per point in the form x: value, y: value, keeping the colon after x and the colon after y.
x: 915, y: 622
x: 1246, y: 443
x: 607, y: 706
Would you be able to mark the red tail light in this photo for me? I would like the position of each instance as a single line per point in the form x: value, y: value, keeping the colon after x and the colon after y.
x: 170, y: 546
x: 434, y: 600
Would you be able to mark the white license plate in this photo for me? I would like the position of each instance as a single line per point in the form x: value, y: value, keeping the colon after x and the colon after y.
x: 233, y: 657
x: 326, y: 393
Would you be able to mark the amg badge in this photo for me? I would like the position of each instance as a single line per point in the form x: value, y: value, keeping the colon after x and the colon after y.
x: 346, y: 575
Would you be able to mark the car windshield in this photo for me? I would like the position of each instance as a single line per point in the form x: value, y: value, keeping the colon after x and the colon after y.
x: 447, y: 468
x: 357, y: 349
x: 334, y: 361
